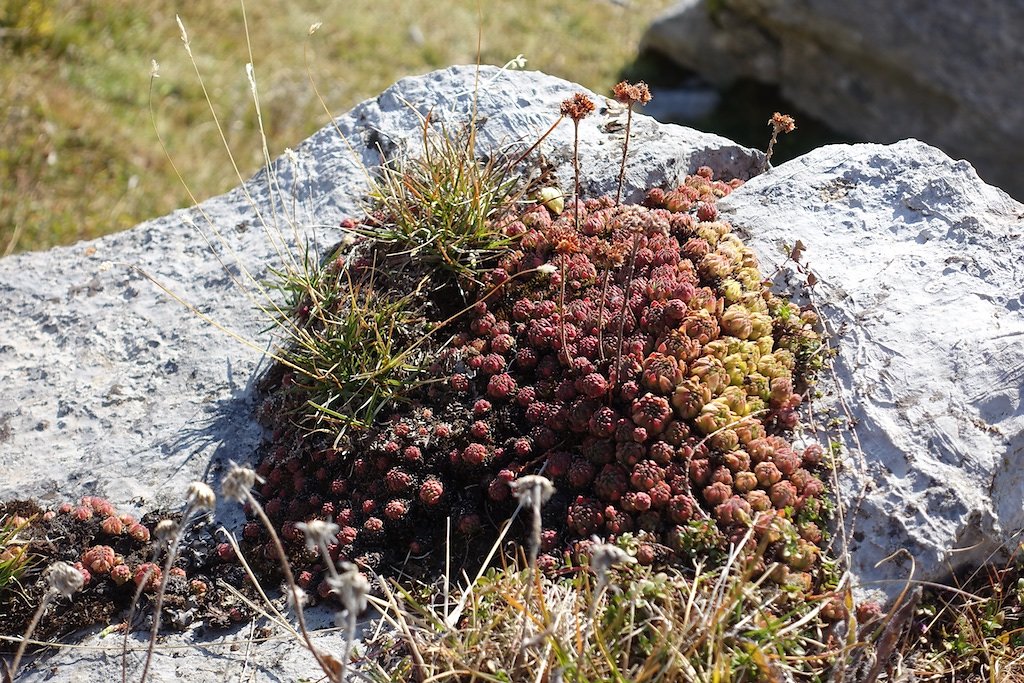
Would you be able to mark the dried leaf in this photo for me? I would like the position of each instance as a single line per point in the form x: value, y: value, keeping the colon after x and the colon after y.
x: 798, y: 251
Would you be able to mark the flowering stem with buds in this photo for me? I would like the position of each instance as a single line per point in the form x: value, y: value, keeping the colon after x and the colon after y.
x: 617, y: 365
x: 577, y: 107
x: 780, y: 123
x: 625, y: 151
x: 629, y: 94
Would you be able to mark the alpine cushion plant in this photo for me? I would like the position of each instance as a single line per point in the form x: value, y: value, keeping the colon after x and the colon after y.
x: 631, y: 354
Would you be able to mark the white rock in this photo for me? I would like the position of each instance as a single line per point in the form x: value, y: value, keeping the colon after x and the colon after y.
x: 921, y: 276
x: 111, y: 387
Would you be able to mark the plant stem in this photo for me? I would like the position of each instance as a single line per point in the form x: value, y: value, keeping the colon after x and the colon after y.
x: 624, y: 312
x: 625, y: 151
x: 172, y: 554
x: 576, y: 212
x: 290, y: 581
x: 536, y: 144
x: 47, y: 597
x: 771, y: 149
x: 600, y: 314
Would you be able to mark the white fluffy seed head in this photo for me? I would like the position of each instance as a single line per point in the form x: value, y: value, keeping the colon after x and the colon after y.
x: 604, y: 556
x: 351, y: 587
x: 200, y: 496
x: 65, y: 579
x: 166, y: 530
x: 533, y: 489
x: 296, y: 598
x: 318, y: 533
x: 237, y: 483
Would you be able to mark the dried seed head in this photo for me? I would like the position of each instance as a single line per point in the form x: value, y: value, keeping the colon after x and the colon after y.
x: 200, y: 496
x: 351, y: 587
x: 630, y: 93
x: 782, y: 123
x: 296, y: 598
x: 65, y: 579
x: 577, y: 107
x: 604, y: 556
x: 237, y: 483
x: 318, y: 533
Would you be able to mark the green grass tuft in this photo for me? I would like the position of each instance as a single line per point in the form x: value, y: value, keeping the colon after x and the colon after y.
x: 441, y: 208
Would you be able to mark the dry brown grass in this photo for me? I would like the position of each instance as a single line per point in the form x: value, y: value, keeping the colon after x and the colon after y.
x: 79, y: 157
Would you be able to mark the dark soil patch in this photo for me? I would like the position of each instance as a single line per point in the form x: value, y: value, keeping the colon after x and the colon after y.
x: 200, y: 594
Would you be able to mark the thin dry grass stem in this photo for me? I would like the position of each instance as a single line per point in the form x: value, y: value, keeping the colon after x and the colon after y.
x: 212, y: 321
x: 327, y: 110
x: 237, y: 485
x: 12, y: 242
x: 219, y: 127
x: 267, y: 303
x: 349, y: 585
x: 453, y: 618
x: 200, y: 500
x: 302, y: 272
x: 139, y: 588
x: 248, y: 650
x: 419, y: 666
x: 63, y: 580
x: 265, y: 610
x: 283, y: 254
x: 269, y: 170
x: 292, y: 588
x: 518, y: 160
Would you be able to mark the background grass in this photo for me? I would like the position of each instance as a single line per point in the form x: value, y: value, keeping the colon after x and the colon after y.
x: 78, y: 154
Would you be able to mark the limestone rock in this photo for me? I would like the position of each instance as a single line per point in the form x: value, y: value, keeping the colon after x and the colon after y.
x: 942, y: 71
x: 921, y: 280
x: 112, y: 387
